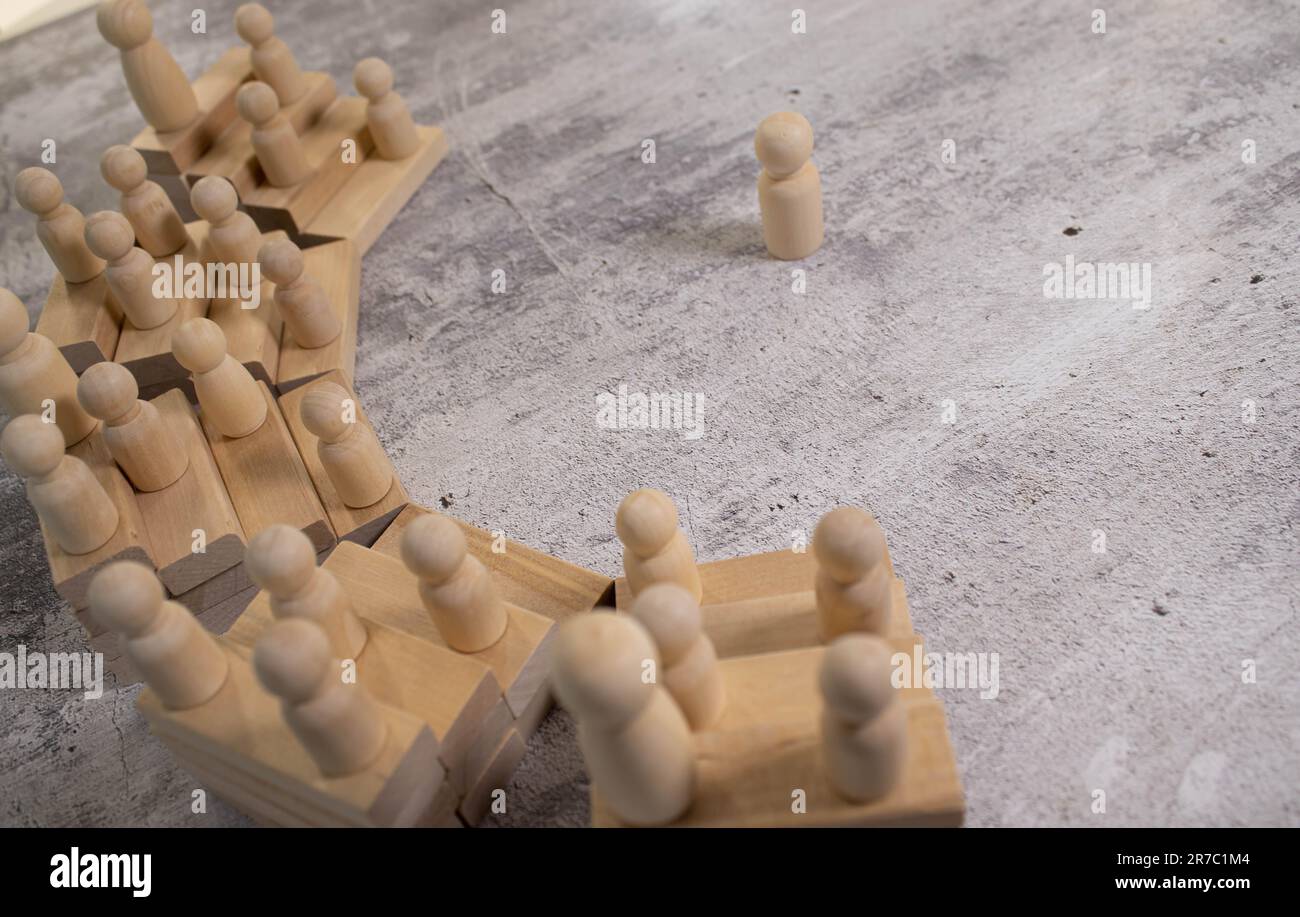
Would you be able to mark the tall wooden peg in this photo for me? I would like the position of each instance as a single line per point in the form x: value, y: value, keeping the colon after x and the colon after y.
x: 152, y: 454
x: 691, y: 673
x: 634, y: 739
x: 159, y: 229
x: 307, y: 312
x: 282, y: 560
x: 789, y: 188
x: 233, y: 237
x: 337, y: 722
x: 130, y: 270
x: 227, y: 392
x: 162, y: 93
x: 180, y: 661
x: 855, y: 580
x: 61, y: 227
x: 71, y: 503
x: 655, y: 550
x: 864, y: 723
x: 456, y: 588
x: 387, y: 116
x: 356, y: 463
x: 273, y: 62
x: 275, y: 142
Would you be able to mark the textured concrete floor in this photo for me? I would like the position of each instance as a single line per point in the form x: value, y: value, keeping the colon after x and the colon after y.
x: 1119, y: 671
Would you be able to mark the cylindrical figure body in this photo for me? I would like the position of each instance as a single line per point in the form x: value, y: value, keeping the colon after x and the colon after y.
x: 792, y: 213
x: 34, y: 376
x: 74, y: 506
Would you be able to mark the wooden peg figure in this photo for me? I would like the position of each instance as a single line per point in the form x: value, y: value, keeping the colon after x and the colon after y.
x: 456, y: 588
x: 227, y: 392
x: 35, y: 378
x: 281, y: 560
x: 310, y: 318
x: 159, y: 229
x: 275, y: 142
x: 864, y: 723
x: 130, y: 270
x: 151, y: 453
x: 338, y: 723
x: 356, y: 464
x: 635, y: 741
x: 655, y: 550
x: 60, y: 227
x: 73, y: 506
x: 180, y: 661
x: 273, y: 62
x: 233, y: 237
x: 387, y: 116
x: 162, y: 93
x: 789, y: 188
x: 854, y: 582
x: 690, y: 663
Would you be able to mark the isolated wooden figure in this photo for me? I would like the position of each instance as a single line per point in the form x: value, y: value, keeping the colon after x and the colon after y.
x: 636, y: 743
x: 282, y: 560
x: 789, y: 188
x: 273, y: 62
x: 130, y: 270
x: 233, y: 237
x: 308, y: 315
x: 387, y: 116
x: 179, y: 660
x: 159, y: 229
x: 275, y: 142
x: 655, y: 550
x: 854, y: 581
x: 152, y: 454
x: 60, y: 226
x: 456, y: 588
x: 338, y: 723
x: 356, y: 463
x: 227, y: 392
x: 34, y: 376
x: 864, y: 723
x: 690, y: 663
x: 161, y: 92
x: 73, y: 506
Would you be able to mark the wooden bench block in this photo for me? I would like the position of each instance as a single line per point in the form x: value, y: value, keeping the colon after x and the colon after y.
x: 266, y: 479
x: 83, y: 320
x: 336, y: 266
x: 363, y: 525
x: 531, y: 719
x: 478, y: 801
x: 524, y: 576
x: 377, y: 189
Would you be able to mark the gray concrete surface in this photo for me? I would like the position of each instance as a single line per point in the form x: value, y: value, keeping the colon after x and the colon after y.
x: 1119, y: 671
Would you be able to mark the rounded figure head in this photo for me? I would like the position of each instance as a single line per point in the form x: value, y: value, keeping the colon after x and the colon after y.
x: 433, y: 548
x: 125, y: 597
x: 855, y: 677
x: 199, y: 345
x: 646, y: 521
x: 31, y: 447
x: 281, y: 261
x: 257, y: 103
x: 125, y: 24
x: 214, y: 198
x: 107, y: 390
x: 281, y: 560
x: 123, y: 168
x: 325, y: 412
x: 783, y: 143
x: 254, y: 23
x: 292, y: 658
x: 373, y: 78
x: 109, y: 235
x: 38, y: 190
x: 672, y: 616
x: 598, y: 667
x: 848, y: 544
x: 13, y: 322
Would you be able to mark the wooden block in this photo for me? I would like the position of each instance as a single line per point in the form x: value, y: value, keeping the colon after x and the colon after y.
x: 535, y: 713
x: 232, y: 156
x: 524, y: 576
x: 266, y: 479
x: 178, y: 193
x: 496, y: 724
x: 377, y: 189
x: 231, y: 589
x: 363, y: 525
x: 478, y: 800
x: 172, y: 152
x: 336, y: 266
x: 72, y: 573
x: 83, y: 320
x: 198, y: 500
x: 293, y: 208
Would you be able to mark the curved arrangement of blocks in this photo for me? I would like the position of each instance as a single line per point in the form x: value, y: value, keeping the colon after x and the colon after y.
x: 220, y: 515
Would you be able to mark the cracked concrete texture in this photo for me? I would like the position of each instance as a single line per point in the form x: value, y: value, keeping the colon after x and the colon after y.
x: 1119, y: 671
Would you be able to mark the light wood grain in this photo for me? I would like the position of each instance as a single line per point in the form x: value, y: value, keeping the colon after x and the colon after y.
x: 495, y: 777
x: 83, y: 321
